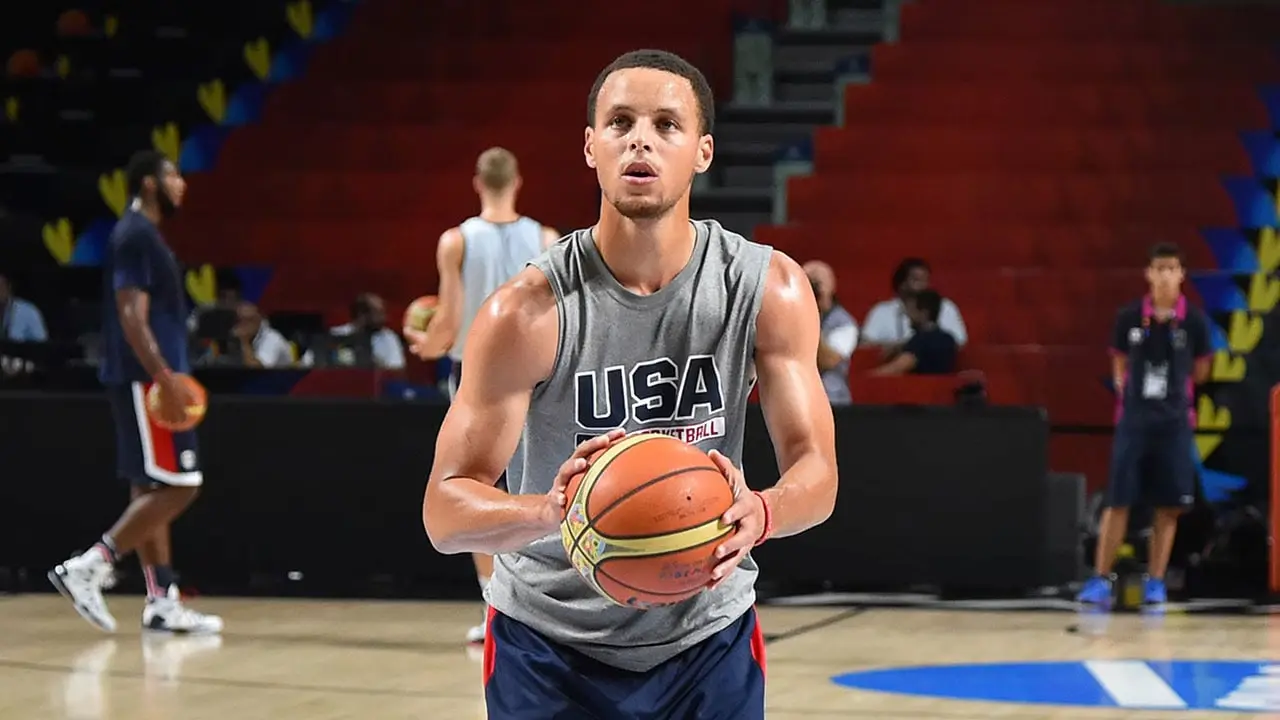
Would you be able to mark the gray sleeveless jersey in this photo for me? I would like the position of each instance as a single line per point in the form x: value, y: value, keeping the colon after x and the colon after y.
x: 680, y: 361
x: 492, y: 254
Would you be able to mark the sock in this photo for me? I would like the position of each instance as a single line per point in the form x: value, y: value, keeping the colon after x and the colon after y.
x: 158, y: 579
x: 106, y: 547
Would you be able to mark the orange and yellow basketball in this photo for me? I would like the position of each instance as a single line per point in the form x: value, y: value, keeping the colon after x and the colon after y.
x: 195, y: 411
x: 643, y: 522
x: 419, y: 313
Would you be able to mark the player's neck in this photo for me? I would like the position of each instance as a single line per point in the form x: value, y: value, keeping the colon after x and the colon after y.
x: 151, y: 212
x: 645, y: 255
x: 1165, y: 302
x: 498, y: 210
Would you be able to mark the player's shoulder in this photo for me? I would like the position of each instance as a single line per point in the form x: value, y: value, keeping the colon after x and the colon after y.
x: 784, y: 273
x: 1196, y: 314
x: 517, y: 317
x: 786, y: 293
x: 526, y: 297
x: 452, y: 235
x: 731, y: 243
x: 1130, y: 312
x: 133, y: 229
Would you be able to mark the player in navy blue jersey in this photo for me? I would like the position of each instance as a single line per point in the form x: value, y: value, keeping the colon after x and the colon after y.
x: 1159, y: 349
x: 144, y: 331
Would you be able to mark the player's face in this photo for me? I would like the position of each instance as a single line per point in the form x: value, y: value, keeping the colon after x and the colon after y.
x: 170, y: 189
x: 173, y: 184
x: 1165, y: 275
x: 646, y: 145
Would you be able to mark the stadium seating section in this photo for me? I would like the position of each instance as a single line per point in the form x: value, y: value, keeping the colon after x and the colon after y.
x: 1032, y: 151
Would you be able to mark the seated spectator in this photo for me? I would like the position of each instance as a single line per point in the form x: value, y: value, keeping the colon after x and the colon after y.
x: 369, y: 318
x: 228, y: 300
x: 20, y: 321
x: 930, y: 349
x: 260, y: 344
x: 888, y: 324
x: 839, y: 333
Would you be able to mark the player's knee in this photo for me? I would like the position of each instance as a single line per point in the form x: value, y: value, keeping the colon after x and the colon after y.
x: 181, y: 495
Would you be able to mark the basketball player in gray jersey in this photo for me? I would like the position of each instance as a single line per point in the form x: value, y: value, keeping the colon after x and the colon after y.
x: 472, y: 260
x: 645, y: 321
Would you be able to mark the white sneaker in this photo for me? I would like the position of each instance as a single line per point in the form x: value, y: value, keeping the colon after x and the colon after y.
x: 168, y: 614
x: 476, y: 634
x: 81, y: 580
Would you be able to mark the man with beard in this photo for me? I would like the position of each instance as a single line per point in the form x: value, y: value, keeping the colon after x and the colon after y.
x: 369, y: 323
x: 647, y: 321
x: 144, y: 331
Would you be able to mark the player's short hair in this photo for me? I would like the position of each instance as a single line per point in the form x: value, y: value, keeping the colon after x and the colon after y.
x: 666, y: 62
x: 143, y: 164
x: 1164, y: 250
x: 497, y: 168
x: 930, y: 303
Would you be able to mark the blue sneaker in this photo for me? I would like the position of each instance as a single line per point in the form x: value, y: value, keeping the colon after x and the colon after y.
x: 1097, y: 591
x: 1154, y: 592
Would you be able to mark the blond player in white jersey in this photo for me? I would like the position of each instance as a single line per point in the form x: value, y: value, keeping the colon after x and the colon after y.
x: 474, y: 259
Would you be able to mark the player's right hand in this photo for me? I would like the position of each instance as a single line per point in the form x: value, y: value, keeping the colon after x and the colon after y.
x: 577, y: 463
x: 175, y: 398
x: 417, y: 342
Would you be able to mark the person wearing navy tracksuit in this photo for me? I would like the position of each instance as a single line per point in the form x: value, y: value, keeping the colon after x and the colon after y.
x: 1159, y: 350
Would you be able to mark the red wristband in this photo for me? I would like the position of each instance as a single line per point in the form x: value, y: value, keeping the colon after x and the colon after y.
x: 768, y: 519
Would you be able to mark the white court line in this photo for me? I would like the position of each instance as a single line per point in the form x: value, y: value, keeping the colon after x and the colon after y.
x: 1133, y: 684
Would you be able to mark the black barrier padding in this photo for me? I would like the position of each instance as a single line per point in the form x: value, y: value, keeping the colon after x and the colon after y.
x: 928, y: 496
x: 333, y: 490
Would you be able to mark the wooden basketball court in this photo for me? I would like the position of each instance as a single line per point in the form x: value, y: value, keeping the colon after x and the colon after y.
x: 324, y: 660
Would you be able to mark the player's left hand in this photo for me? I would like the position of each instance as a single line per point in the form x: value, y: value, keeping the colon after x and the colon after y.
x: 747, y: 513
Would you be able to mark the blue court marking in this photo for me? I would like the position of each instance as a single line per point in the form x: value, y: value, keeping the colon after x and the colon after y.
x: 1168, y: 685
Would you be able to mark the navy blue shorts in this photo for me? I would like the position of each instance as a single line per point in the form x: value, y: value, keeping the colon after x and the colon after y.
x: 147, y: 454
x: 528, y: 677
x: 1153, y: 465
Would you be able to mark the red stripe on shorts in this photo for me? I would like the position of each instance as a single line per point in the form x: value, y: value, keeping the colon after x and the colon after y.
x: 490, y: 651
x: 161, y: 442
x: 757, y: 644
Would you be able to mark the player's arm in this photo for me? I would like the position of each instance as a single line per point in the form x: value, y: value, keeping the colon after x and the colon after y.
x: 550, y: 236
x: 796, y: 409
x: 510, y: 348
x: 1120, y: 350
x: 131, y: 281
x: 442, y: 331
x: 903, y: 363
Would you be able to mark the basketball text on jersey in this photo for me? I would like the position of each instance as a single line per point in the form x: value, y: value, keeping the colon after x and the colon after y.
x: 657, y: 394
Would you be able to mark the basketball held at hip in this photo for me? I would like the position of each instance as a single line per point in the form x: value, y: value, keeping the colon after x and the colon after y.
x: 195, y: 410
x: 419, y: 313
x: 643, y: 521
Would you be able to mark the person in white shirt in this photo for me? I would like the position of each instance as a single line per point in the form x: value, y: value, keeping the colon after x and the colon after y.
x: 369, y: 315
x: 839, y: 335
x: 888, y: 325
x: 260, y: 344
